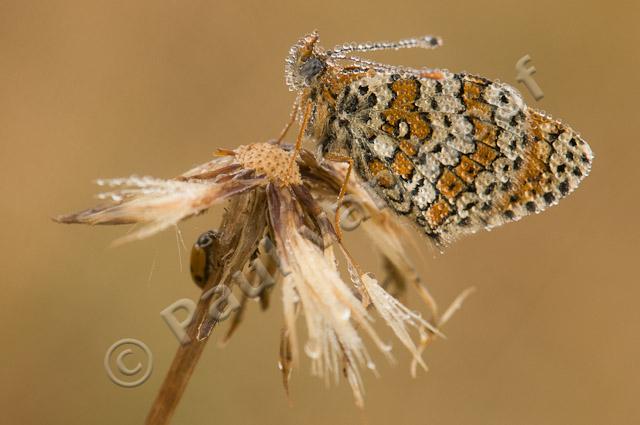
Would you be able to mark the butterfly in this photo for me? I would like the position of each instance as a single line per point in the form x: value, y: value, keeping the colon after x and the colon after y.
x: 454, y: 152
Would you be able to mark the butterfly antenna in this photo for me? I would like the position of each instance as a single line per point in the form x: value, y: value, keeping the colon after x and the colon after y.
x: 425, y: 42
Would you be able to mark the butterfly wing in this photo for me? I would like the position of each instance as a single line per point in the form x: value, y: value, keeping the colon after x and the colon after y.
x: 459, y: 153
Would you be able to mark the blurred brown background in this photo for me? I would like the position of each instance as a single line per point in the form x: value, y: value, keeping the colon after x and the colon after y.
x: 102, y: 89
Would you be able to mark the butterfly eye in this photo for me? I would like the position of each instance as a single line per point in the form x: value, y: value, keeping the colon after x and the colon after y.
x: 311, y: 68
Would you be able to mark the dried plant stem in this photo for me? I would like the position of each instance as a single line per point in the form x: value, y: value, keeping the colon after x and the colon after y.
x: 241, y: 229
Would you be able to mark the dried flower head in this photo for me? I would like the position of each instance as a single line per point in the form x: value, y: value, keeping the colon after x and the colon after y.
x: 289, y: 202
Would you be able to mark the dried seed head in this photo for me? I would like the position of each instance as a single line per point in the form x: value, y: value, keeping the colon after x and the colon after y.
x: 335, y: 309
x: 270, y: 160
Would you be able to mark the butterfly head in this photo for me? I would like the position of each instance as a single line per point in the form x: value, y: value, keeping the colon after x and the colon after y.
x: 306, y: 63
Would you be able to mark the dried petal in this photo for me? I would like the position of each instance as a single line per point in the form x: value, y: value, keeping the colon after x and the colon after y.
x: 156, y: 203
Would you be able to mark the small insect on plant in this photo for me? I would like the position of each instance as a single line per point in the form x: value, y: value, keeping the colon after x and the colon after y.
x: 455, y: 153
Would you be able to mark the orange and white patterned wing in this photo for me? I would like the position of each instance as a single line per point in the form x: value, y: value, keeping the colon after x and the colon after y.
x: 459, y: 153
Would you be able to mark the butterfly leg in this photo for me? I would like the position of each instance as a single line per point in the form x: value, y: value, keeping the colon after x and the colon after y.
x: 343, y: 188
x: 292, y: 118
x: 303, y: 127
x: 366, y: 299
